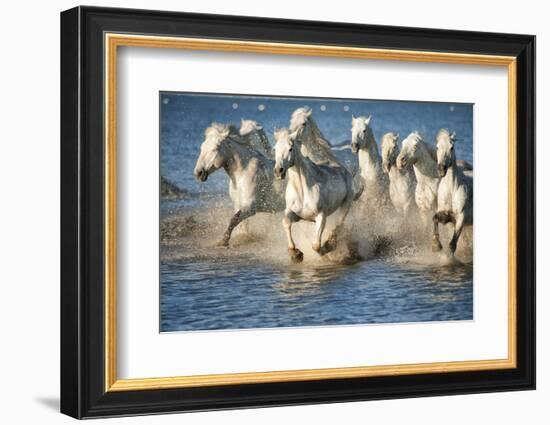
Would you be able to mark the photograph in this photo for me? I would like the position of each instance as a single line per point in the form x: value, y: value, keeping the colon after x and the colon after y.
x: 285, y: 211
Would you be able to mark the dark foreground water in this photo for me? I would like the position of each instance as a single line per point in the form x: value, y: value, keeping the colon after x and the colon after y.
x: 253, y: 284
x: 230, y: 295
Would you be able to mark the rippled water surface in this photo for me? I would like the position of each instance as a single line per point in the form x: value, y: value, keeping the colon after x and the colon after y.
x: 253, y: 284
x: 229, y: 294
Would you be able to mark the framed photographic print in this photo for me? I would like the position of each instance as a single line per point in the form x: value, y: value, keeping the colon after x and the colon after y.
x: 261, y: 212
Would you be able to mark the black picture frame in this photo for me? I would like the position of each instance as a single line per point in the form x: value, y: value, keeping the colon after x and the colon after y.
x: 83, y: 392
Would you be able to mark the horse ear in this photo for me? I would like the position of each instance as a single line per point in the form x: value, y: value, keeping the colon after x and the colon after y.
x: 367, y: 120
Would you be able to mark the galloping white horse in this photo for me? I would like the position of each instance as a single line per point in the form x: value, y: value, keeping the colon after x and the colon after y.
x: 313, y: 192
x: 402, y: 181
x: 250, y: 174
x: 455, y: 193
x: 415, y: 152
x: 364, y: 145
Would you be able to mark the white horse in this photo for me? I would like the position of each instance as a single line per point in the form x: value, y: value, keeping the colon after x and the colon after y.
x: 364, y: 145
x: 455, y: 194
x: 250, y: 174
x: 415, y: 152
x: 313, y: 192
x: 402, y: 181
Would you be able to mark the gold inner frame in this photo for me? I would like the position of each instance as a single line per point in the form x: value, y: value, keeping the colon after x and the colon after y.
x: 113, y: 41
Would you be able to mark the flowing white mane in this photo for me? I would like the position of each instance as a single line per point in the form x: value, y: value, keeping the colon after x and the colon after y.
x: 415, y: 138
x: 389, y: 144
x: 217, y: 133
x: 445, y: 133
x: 280, y: 133
x: 314, y: 144
x: 256, y: 137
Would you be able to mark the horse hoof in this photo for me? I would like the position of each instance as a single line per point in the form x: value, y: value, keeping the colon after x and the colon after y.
x: 436, y: 246
x: 296, y: 255
x: 328, y: 246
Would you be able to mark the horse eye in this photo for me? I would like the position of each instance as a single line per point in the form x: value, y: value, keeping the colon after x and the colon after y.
x: 290, y: 149
x: 452, y: 147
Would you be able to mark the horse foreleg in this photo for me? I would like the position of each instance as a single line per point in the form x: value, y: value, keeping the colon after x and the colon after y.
x: 459, y: 225
x: 436, y: 243
x: 246, y: 227
x: 295, y: 254
x: 238, y: 217
x: 442, y: 217
x: 332, y: 241
x: 320, y: 222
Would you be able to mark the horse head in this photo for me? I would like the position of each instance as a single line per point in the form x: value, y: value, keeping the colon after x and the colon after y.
x: 390, y: 150
x: 286, y: 148
x: 213, y: 150
x: 410, y: 150
x: 299, y: 120
x: 445, y: 142
x: 361, y: 133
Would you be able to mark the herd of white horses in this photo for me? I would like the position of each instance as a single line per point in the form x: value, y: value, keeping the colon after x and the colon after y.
x: 415, y: 176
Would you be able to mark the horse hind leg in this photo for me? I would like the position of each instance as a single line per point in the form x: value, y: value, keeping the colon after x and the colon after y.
x: 332, y: 241
x: 296, y: 255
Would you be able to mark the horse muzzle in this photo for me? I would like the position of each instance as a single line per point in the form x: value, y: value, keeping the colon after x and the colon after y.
x: 201, y: 175
x: 279, y: 173
x: 442, y: 170
x: 354, y: 147
x: 387, y: 167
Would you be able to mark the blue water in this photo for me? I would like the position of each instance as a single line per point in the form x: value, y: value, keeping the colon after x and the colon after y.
x: 252, y: 285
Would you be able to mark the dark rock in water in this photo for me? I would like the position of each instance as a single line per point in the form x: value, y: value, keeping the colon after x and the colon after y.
x: 169, y: 190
